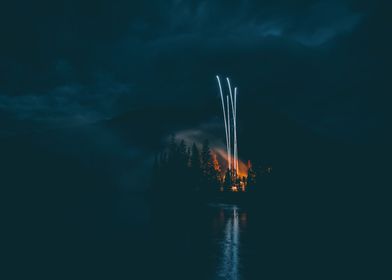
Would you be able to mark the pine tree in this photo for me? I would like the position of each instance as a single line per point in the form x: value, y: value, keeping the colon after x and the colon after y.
x: 251, y: 179
x: 210, y: 175
x: 173, y: 151
x: 188, y: 156
x: 182, y: 152
x: 206, y: 160
x: 217, y: 168
x: 195, y: 167
x: 195, y: 157
x: 228, y: 183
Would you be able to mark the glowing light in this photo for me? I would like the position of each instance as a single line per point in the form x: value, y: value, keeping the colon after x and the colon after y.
x: 230, y: 120
x: 228, y: 126
x: 234, y: 121
x: 243, y: 169
x: 224, y: 114
x: 235, y: 131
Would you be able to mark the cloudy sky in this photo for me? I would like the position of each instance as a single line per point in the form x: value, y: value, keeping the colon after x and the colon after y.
x: 323, y: 63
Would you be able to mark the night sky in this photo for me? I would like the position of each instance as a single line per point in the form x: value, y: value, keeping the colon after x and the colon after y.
x: 90, y: 92
x: 325, y: 64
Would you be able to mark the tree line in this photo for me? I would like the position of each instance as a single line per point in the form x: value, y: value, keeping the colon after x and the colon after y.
x: 185, y: 169
x: 188, y: 170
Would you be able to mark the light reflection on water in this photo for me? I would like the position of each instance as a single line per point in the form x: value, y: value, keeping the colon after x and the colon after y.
x: 232, y: 222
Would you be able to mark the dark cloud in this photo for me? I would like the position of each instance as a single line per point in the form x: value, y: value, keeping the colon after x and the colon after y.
x: 318, y: 61
x: 68, y: 104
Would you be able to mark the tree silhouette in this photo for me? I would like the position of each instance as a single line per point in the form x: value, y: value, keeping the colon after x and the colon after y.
x: 210, y: 175
x: 184, y: 170
x: 195, y: 168
x: 228, y: 182
x: 251, y: 179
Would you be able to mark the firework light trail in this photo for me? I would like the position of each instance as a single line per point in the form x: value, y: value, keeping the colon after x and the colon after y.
x: 235, y: 130
x: 232, y: 161
x: 228, y: 126
x: 224, y: 113
x: 232, y: 110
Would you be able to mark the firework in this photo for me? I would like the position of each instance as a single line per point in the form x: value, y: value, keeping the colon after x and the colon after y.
x: 224, y: 115
x: 230, y: 124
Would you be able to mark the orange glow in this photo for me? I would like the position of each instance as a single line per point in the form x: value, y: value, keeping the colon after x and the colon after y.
x: 216, y: 162
x: 242, y: 168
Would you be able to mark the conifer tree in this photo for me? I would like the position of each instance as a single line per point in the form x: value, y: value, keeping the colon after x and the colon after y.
x: 195, y: 167
x: 251, y: 179
x: 217, y: 168
x: 210, y: 175
x: 228, y: 183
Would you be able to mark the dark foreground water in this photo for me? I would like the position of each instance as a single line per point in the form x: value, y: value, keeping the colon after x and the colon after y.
x: 204, y: 242
x: 134, y: 238
x: 276, y: 240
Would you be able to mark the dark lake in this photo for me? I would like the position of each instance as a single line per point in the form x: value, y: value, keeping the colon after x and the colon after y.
x: 135, y: 238
x: 207, y: 242
x: 168, y: 240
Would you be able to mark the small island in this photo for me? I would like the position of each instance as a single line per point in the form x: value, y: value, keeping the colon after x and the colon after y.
x: 199, y: 172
